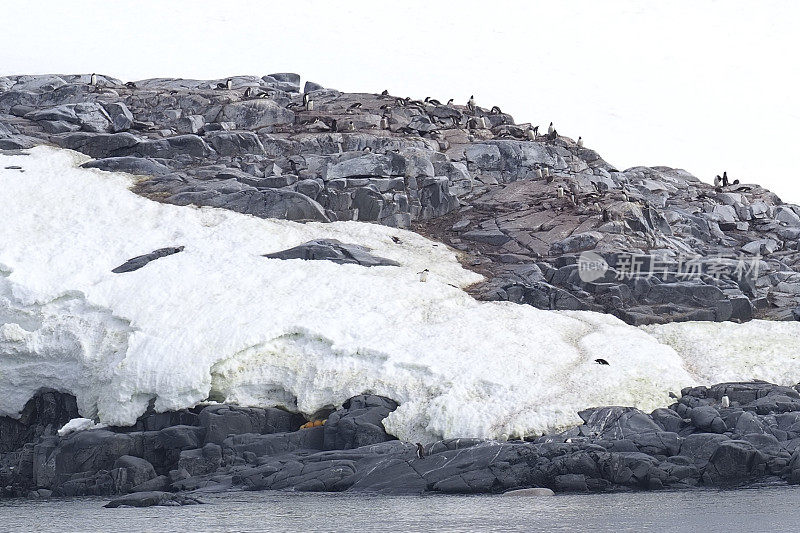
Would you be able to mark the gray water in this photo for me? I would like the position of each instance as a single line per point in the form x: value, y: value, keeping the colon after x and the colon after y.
x: 763, y: 509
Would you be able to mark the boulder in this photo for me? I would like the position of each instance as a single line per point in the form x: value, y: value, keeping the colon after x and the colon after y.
x: 358, y: 423
x: 333, y: 250
x: 255, y: 114
x: 150, y: 499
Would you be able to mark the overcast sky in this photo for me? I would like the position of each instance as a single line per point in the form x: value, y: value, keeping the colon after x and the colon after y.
x: 702, y: 85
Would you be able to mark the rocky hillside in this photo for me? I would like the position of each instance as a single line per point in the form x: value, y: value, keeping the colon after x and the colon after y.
x: 522, y: 206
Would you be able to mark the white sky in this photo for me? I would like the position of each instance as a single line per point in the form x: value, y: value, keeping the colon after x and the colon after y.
x: 703, y: 85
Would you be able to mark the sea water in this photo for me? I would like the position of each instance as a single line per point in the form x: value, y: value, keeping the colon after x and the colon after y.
x: 762, y: 509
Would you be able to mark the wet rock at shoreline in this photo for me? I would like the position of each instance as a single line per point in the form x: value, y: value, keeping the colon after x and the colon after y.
x: 730, y: 434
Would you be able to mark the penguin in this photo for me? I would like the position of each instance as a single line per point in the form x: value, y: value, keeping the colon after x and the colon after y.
x: 248, y: 92
x: 367, y: 149
x: 450, y: 102
x: 423, y: 276
x: 601, y: 362
x: 580, y: 142
x: 400, y: 102
x: 420, y: 451
x: 717, y: 180
x: 310, y: 105
x: 735, y: 182
x: 130, y: 85
x: 351, y: 126
x: 673, y: 395
x: 625, y: 197
x: 725, y: 402
x: 384, y: 123
x: 229, y: 84
x: 530, y: 134
x: 536, y: 130
x: 597, y: 206
x: 434, y: 101
x: 572, y: 199
x: 605, y: 215
x: 550, y: 129
x: 539, y: 173
x: 471, y: 103
x: 396, y: 240
x: 560, y: 192
x: 725, y: 182
x: 292, y: 105
x: 385, y: 92
x: 495, y: 110
x: 554, y: 136
x: 355, y: 106
x: 93, y: 79
x: 546, y: 172
x: 306, y: 98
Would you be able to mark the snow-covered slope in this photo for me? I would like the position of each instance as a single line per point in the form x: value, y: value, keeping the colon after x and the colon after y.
x: 219, y: 320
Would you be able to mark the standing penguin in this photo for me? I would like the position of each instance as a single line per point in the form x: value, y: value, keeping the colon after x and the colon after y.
x: 450, y: 102
x: 717, y: 180
x: 423, y: 276
x: 560, y: 192
x: 384, y: 123
x: 580, y: 142
x: 351, y: 126
x: 93, y: 79
x: 471, y: 103
x: 530, y: 134
x: 310, y: 105
x: 725, y: 182
x: 539, y: 173
x: 248, y: 92
x: 550, y: 129
x: 229, y: 84
x: 420, y: 451
x: 546, y: 172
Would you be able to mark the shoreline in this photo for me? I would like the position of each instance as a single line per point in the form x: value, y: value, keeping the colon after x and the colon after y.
x: 697, y: 443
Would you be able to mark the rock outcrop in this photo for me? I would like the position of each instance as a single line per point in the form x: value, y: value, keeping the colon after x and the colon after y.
x: 522, y: 207
x: 730, y: 434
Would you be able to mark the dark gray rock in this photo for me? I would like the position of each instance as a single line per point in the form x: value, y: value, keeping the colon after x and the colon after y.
x: 132, y: 165
x: 235, y: 142
x: 139, y: 261
x: 150, y: 499
x: 358, y: 423
x: 221, y: 421
x: 335, y: 251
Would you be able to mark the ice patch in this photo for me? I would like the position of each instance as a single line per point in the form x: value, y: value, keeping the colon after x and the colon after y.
x: 220, y: 321
x: 78, y: 424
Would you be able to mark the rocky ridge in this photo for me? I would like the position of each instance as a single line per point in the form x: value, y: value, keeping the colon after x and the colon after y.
x: 730, y: 434
x: 521, y: 206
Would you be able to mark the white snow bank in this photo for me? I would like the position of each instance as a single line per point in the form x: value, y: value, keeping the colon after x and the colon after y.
x: 220, y: 320
x: 78, y: 424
